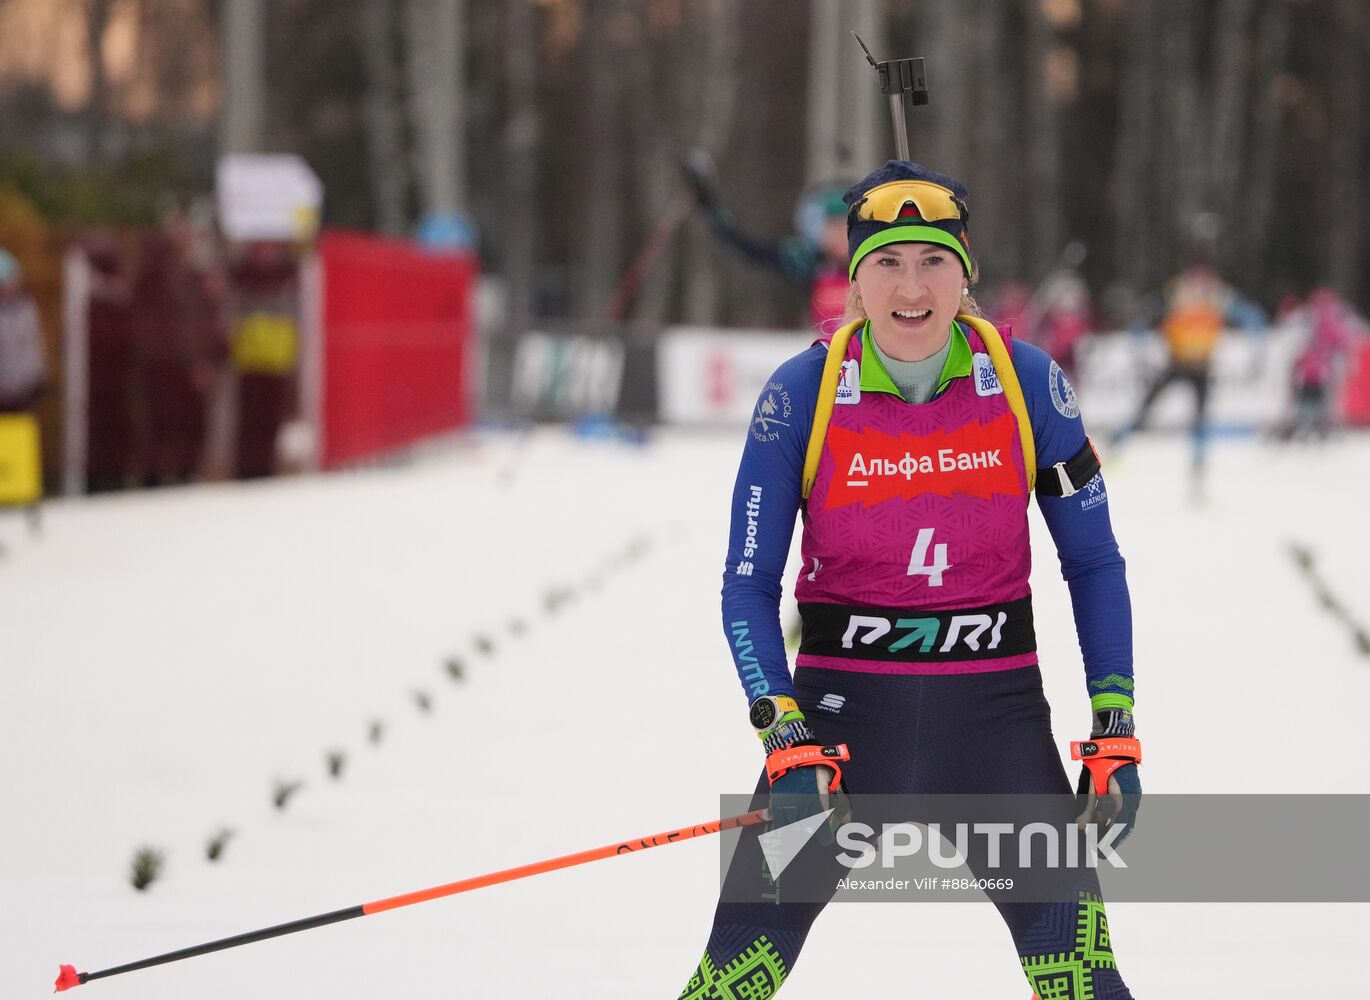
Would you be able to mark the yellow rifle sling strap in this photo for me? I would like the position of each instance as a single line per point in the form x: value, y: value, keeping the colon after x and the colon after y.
x: 832, y: 372
x: 1008, y: 378
x: 827, y: 396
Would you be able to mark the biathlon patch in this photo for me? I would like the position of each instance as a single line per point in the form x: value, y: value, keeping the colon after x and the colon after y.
x: 849, y: 385
x: 1062, y: 393
x: 1094, y: 493
x: 986, y: 378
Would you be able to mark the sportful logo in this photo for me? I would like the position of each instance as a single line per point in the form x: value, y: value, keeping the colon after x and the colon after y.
x: 832, y: 703
x: 872, y: 467
x: 753, y: 511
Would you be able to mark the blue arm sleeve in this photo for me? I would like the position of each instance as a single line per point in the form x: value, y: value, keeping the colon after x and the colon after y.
x: 1091, y: 564
x: 792, y: 257
x: 766, y: 497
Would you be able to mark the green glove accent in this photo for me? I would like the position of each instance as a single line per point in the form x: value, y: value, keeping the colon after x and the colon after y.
x: 1103, y: 702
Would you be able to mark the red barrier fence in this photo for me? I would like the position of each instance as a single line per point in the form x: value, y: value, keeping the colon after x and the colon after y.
x: 397, y: 322
x: 1356, y: 392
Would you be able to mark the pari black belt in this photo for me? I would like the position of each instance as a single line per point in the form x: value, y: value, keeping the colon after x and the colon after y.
x: 910, y: 635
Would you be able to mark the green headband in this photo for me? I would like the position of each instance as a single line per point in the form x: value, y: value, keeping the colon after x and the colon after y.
x: 908, y: 234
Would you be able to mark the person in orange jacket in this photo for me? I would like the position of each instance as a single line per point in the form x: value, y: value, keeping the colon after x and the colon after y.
x: 1199, y: 308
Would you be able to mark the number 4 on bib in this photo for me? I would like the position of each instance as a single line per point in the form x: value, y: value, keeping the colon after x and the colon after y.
x: 918, y: 563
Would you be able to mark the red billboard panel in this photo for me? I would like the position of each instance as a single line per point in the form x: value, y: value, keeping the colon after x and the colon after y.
x: 396, y: 324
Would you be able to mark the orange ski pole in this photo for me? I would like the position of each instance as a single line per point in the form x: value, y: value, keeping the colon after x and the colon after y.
x: 69, y: 977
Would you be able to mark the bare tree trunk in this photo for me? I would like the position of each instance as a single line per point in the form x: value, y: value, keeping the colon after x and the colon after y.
x: 658, y: 138
x: 994, y: 134
x: 1136, y: 148
x: 436, y: 33
x: 846, y: 117
x: 1043, y: 195
x: 824, y: 113
x: 1263, y: 161
x: 1345, y: 169
x: 716, y: 96
x: 1181, y: 167
x: 863, y: 129
x: 601, y: 206
x: 384, y: 117
x: 174, y: 42
x: 1225, y: 138
x: 520, y: 150
x: 97, y: 104
x: 941, y: 138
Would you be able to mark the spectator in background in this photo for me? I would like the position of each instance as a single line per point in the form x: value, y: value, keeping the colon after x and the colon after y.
x: 1009, y: 306
x: 264, y: 342
x: 815, y: 258
x: 23, y: 367
x: 1065, y: 318
x: 23, y: 378
x: 176, y: 346
x: 1055, y: 316
x: 1199, y: 306
x: 1331, y: 331
x: 109, y: 322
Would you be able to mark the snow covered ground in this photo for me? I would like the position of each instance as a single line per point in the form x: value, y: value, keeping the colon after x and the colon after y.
x: 167, y: 657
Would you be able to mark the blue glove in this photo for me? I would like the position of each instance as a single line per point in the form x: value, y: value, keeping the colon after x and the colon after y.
x: 806, y: 780
x: 1110, y: 787
x: 804, y: 775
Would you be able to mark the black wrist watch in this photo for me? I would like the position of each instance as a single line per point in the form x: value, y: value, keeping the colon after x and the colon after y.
x: 769, y: 709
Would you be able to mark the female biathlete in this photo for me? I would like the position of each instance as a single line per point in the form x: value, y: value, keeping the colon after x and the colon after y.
x: 911, y: 462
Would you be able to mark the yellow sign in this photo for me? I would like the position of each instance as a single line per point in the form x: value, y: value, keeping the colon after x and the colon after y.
x: 21, y: 463
x: 266, y: 345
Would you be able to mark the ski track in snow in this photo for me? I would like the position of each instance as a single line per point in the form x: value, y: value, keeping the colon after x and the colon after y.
x: 168, y: 656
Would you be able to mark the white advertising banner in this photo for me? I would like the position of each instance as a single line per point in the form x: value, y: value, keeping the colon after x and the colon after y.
x: 710, y: 376
x: 268, y: 197
x: 567, y: 376
x: 1249, y: 391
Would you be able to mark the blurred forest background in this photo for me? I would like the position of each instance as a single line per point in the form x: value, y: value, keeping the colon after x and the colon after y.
x: 1151, y: 130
